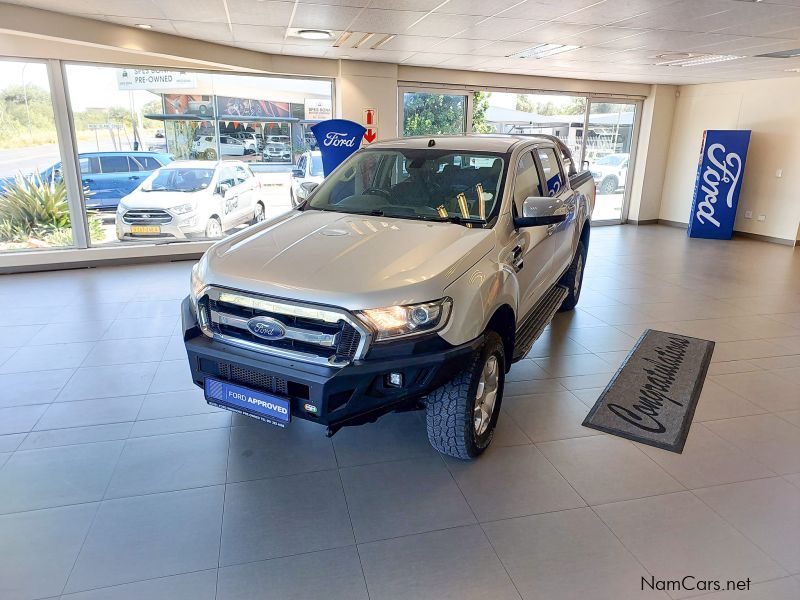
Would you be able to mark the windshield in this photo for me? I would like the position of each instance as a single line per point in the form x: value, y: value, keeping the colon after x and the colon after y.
x: 316, y: 166
x: 612, y: 160
x: 179, y: 180
x: 415, y: 184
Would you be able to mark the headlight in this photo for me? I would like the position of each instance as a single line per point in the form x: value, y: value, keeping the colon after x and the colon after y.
x: 122, y: 207
x: 183, y: 208
x: 404, y: 321
x: 197, y: 283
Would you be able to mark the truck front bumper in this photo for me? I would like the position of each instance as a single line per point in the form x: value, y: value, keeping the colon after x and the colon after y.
x: 332, y: 396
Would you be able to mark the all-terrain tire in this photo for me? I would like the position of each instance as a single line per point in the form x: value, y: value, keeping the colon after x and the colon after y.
x: 573, y: 279
x: 450, y: 408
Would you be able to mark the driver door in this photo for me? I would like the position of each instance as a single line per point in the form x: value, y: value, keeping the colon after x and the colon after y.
x: 230, y: 199
x: 531, y: 248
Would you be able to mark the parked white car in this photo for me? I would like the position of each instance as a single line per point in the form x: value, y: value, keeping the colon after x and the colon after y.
x: 610, y: 172
x: 278, y: 148
x: 205, y: 146
x: 249, y: 140
x: 191, y: 198
x: 307, y: 170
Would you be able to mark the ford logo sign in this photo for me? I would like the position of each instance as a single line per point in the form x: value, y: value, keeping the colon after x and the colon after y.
x: 266, y: 328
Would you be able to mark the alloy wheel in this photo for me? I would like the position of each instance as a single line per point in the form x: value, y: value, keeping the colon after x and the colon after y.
x: 486, y: 395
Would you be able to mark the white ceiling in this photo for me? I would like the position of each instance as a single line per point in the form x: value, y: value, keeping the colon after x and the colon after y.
x: 619, y: 39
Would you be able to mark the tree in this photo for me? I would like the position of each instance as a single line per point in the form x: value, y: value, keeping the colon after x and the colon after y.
x: 432, y: 114
x: 480, y: 104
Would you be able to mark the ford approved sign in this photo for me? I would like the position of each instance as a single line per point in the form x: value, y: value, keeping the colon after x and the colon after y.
x: 719, y: 180
x: 337, y: 139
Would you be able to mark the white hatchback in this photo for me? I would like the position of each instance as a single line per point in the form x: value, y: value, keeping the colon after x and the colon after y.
x: 191, y: 199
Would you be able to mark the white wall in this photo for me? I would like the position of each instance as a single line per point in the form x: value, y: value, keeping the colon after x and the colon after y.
x: 770, y: 109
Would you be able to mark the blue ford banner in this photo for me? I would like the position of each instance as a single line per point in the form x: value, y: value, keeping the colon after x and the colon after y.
x: 718, y: 182
x: 337, y: 139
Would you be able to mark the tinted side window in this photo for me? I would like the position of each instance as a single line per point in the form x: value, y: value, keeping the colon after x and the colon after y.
x: 143, y: 163
x: 227, y: 176
x: 89, y: 165
x: 301, y: 164
x: 242, y: 175
x: 551, y: 170
x: 527, y: 181
x: 114, y: 164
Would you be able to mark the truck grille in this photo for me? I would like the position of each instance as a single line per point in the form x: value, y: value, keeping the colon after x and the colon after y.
x: 307, y: 332
x: 141, y: 216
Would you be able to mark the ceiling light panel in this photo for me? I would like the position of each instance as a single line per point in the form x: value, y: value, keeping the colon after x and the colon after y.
x: 700, y: 60
x: 543, y: 51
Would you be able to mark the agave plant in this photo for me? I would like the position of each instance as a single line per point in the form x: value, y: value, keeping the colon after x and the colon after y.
x: 32, y: 206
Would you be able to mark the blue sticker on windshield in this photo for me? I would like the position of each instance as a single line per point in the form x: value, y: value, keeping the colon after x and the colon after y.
x: 337, y: 139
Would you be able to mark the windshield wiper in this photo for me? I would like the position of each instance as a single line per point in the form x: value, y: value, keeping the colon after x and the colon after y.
x: 458, y: 220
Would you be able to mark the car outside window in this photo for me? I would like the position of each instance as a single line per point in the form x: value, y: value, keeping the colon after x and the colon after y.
x: 143, y: 163
x: 114, y: 164
x: 526, y: 182
x: 441, y: 185
x: 316, y: 166
x: 89, y: 165
x: 551, y: 170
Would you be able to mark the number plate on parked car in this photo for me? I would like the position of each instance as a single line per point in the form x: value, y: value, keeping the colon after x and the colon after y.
x: 145, y: 229
x: 259, y: 405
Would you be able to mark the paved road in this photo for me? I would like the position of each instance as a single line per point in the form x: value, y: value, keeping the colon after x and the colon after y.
x: 27, y: 160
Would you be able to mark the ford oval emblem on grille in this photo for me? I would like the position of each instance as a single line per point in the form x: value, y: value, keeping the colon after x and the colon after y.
x: 266, y: 328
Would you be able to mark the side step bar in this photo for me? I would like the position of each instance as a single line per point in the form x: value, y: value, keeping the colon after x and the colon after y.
x: 533, y: 325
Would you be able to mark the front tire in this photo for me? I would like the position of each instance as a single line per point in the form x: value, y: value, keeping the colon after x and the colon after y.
x: 573, y: 279
x: 462, y: 413
x: 214, y: 228
x: 258, y: 213
x: 609, y: 185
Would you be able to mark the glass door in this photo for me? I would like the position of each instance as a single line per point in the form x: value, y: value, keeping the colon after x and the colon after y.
x: 609, y: 150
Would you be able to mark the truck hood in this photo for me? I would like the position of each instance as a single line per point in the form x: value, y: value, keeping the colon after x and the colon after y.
x: 350, y: 261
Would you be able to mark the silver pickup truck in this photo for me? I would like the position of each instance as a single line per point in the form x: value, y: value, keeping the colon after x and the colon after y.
x: 411, y: 278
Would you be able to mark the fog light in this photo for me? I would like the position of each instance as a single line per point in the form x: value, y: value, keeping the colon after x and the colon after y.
x: 310, y: 408
x: 393, y: 380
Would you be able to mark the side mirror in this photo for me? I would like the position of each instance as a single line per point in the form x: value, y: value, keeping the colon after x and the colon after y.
x: 537, y: 211
x: 586, y: 164
x: 223, y: 188
x: 297, y: 173
x: 306, y: 188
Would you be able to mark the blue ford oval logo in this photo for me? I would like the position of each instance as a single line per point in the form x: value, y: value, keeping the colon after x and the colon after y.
x: 266, y: 328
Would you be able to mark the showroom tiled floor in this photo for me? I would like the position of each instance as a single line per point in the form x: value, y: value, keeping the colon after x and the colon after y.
x: 118, y: 482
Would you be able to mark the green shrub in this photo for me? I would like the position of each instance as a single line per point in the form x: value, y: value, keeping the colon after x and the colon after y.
x: 33, y: 208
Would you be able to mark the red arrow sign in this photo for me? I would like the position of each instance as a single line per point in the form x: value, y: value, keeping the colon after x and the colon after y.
x: 371, y: 135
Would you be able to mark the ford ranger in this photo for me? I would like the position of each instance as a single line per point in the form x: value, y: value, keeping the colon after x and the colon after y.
x: 411, y: 278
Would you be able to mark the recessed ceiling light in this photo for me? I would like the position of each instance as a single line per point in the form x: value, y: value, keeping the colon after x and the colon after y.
x: 543, y: 51
x: 314, y: 34
x: 144, y: 26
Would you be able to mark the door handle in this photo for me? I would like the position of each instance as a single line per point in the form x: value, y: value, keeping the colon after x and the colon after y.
x: 134, y: 177
x: 517, y: 257
x: 87, y: 180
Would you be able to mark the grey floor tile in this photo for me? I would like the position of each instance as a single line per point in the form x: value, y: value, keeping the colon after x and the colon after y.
x: 588, y: 396
x: 607, y: 469
x: 82, y: 413
x: 67, y: 333
x: 767, y: 438
x: 767, y: 511
x: 38, y: 387
x: 397, y: 498
x: 153, y: 308
x: 525, y: 370
x: 145, y: 537
x: 546, y: 417
x: 167, y: 425
x: 786, y: 588
x: 508, y: 433
x: 261, y: 450
x: 764, y: 389
x: 14, y: 336
x: 706, y: 460
x: 176, y: 404
x: 120, y: 352
x: 5, y: 354
x: 534, y: 386
x: 39, y: 549
x: 392, y: 437
x: 582, y: 382
x: 691, y: 539
x: 793, y: 416
x: 735, y: 366
x: 567, y: 554
x: 172, y: 376
x: 512, y: 482
x: 603, y: 339
x: 455, y: 563
x: 76, y: 435
x: 574, y: 365
x: 170, y: 462
x: 330, y: 574
x: 20, y: 419
x: 200, y: 585
x: 109, y: 382
x: 137, y: 328
x: 55, y: 356
x: 175, y: 350
x: 270, y: 518
x: 4, y: 456
x: 33, y: 479
x: 9, y: 443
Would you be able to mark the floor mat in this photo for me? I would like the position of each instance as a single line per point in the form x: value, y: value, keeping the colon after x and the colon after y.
x: 652, y: 397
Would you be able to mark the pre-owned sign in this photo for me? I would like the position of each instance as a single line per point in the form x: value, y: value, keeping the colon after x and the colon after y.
x: 146, y: 79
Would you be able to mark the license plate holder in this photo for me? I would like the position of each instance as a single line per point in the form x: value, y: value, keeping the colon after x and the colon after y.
x: 151, y: 229
x: 263, y: 406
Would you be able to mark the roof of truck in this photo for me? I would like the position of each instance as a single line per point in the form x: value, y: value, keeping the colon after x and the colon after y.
x: 487, y: 142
